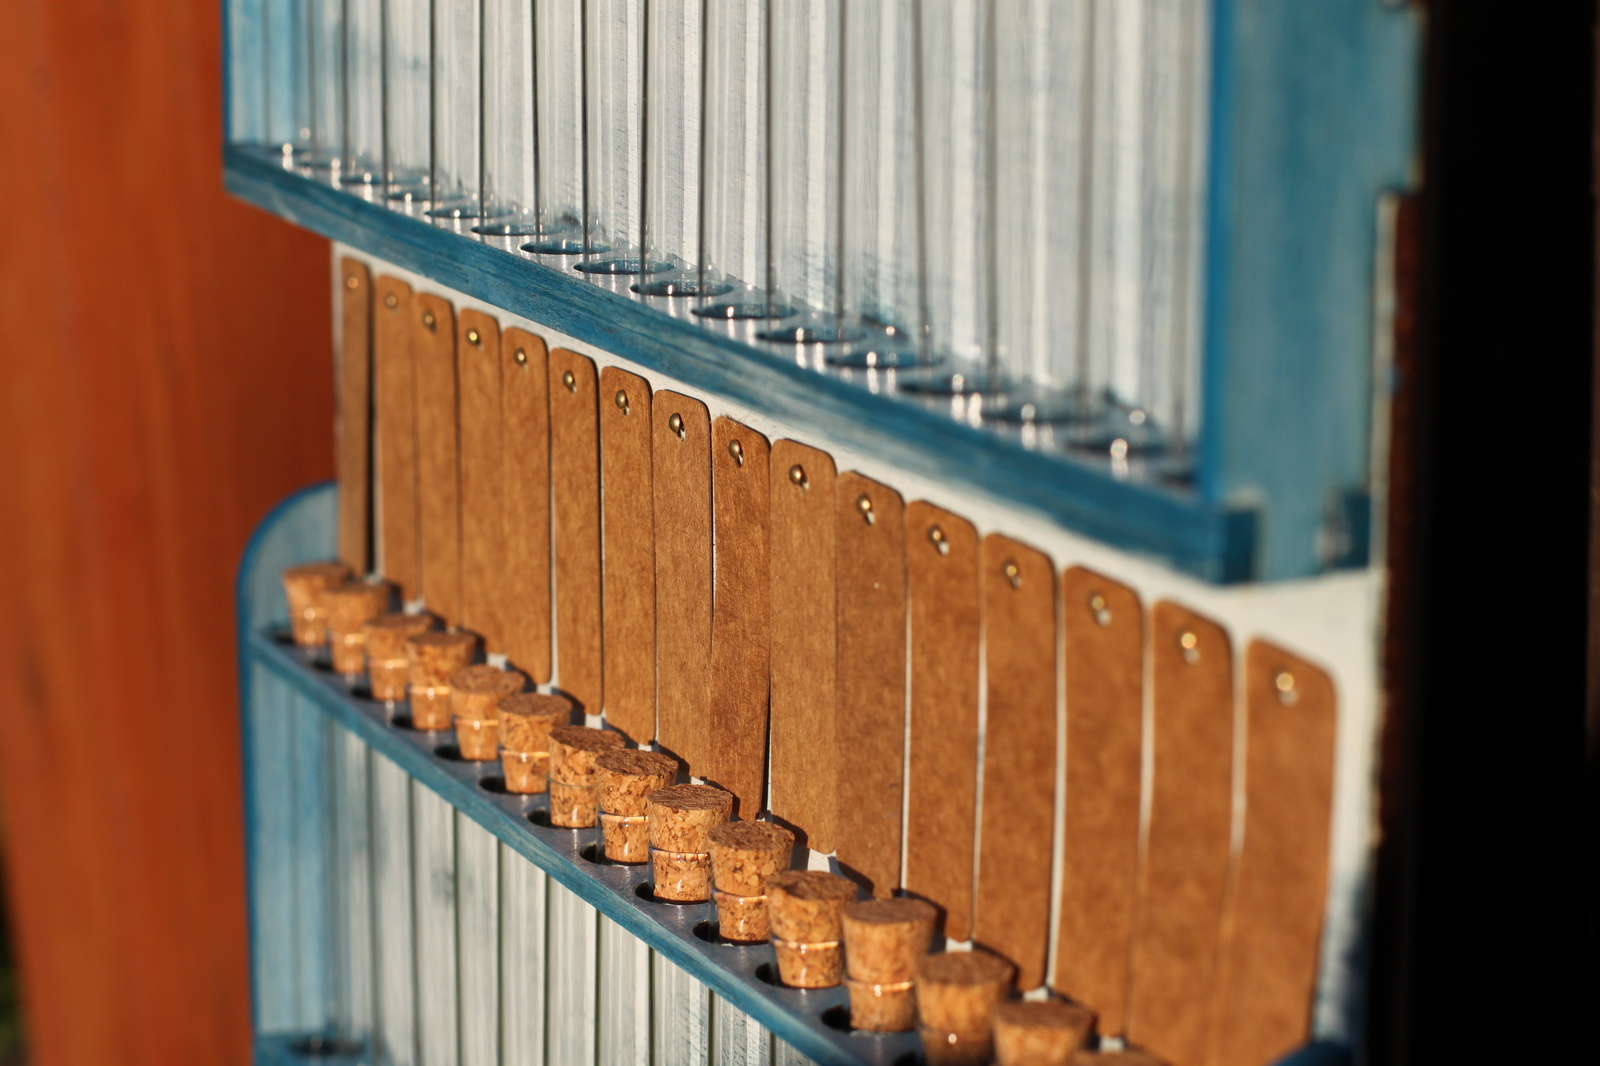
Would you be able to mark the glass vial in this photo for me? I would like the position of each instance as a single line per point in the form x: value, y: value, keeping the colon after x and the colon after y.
x: 361, y: 159
x: 510, y: 205
x: 455, y: 162
x: 613, y: 222
x: 558, y: 126
x: 407, y: 99
x: 673, y: 82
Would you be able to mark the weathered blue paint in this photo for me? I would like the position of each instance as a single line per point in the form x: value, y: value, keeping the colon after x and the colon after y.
x: 1313, y: 118
x: 1176, y: 526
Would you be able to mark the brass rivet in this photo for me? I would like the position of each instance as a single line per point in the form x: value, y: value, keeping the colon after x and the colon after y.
x: 352, y: 282
x: 797, y: 477
x: 1190, y: 645
x: 1013, y: 573
x: 622, y: 401
x: 736, y: 450
x: 940, y: 541
x: 864, y: 505
x: 675, y: 423
x: 1285, y: 685
x: 427, y: 319
x: 520, y: 357
x: 1098, y: 608
x: 391, y: 301
x: 473, y: 337
x: 569, y: 380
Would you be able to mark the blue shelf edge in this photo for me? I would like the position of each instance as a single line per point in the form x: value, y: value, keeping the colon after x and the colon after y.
x: 1189, y: 533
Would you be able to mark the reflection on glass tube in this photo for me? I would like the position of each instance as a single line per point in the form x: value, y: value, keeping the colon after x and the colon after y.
x: 558, y: 126
x: 673, y: 77
x: 614, y: 33
x: 454, y: 162
x: 510, y: 196
x: 408, y: 96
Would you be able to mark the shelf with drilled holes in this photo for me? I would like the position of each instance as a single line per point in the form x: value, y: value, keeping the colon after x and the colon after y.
x: 683, y: 933
x: 1122, y: 505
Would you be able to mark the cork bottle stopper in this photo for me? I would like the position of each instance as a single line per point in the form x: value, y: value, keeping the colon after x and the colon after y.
x: 805, y: 910
x: 433, y: 658
x: 681, y: 817
x: 743, y: 856
x: 1039, y: 1034
x: 526, y: 720
x: 302, y: 587
x: 1114, y: 1058
x: 350, y: 605
x: 957, y: 991
x: 574, y: 780
x: 883, y: 938
x: 626, y: 777
x: 475, y: 691
x: 387, y: 665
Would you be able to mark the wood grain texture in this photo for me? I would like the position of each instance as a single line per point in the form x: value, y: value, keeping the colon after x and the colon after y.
x: 525, y: 407
x: 1273, y: 921
x: 870, y: 712
x: 681, y: 459
x: 433, y: 346
x: 353, y: 415
x: 395, y: 409
x: 628, y: 537
x: 575, y: 490
x: 1012, y: 909
x: 804, y: 650
x: 740, y: 613
x: 942, y: 791
x: 166, y: 381
x: 1178, y: 910
x: 1103, y: 656
x: 482, y: 478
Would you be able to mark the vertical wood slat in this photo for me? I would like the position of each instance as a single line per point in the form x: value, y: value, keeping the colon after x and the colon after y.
x: 944, y: 615
x: 1012, y: 909
x: 575, y: 485
x: 433, y: 338
x: 1178, y: 909
x: 433, y: 872
x: 395, y: 403
x: 353, y: 415
x: 628, y: 618
x: 482, y: 478
x: 478, y: 941
x: 525, y: 406
x: 1271, y: 931
x: 681, y: 459
x: 1103, y: 657
x: 740, y: 613
x: 871, y: 703
x: 394, y: 934
x: 523, y: 910
x: 804, y: 651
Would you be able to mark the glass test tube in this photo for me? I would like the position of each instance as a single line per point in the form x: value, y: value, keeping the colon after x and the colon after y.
x: 613, y: 222
x: 673, y: 79
x: 804, y: 161
x: 288, y: 124
x: 558, y: 126
x: 247, y: 70
x: 732, y: 272
x: 325, y: 82
x: 407, y: 99
x: 454, y: 178
x: 879, y: 187
x: 510, y: 197
x: 361, y: 158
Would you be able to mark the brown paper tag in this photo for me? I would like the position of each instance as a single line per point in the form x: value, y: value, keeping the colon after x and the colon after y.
x: 395, y: 407
x: 433, y: 338
x: 353, y: 416
x: 681, y: 459
x: 525, y: 406
x: 629, y: 617
x: 575, y: 481
x: 482, y: 478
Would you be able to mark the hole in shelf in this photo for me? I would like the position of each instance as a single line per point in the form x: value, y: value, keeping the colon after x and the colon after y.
x: 449, y: 751
x: 646, y: 891
x: 837, y: 1018
x: 596, y: 853
x: 362, y: 689
x: 711, y: 933
x: 494, y: 783
x: 322, y: 1047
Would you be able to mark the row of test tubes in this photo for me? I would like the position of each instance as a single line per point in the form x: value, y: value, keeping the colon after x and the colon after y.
x: 1000, y: 200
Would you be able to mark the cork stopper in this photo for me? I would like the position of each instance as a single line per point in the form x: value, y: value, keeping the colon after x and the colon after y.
x: 574, y: 778
x: 349, y: 606
x: 805, y: 909
x: 957, y: 993
x: 883, y: 938
x: 526, y: 720
x: 387, y: 664
x: 474, y: 692
x: 302, y: 587
x: 433, y: 658
x: 743, y: 856
x: 681, y: 817
x: 1114, y: 1058
x: 626, y: 777
x: 1039, y: 1034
